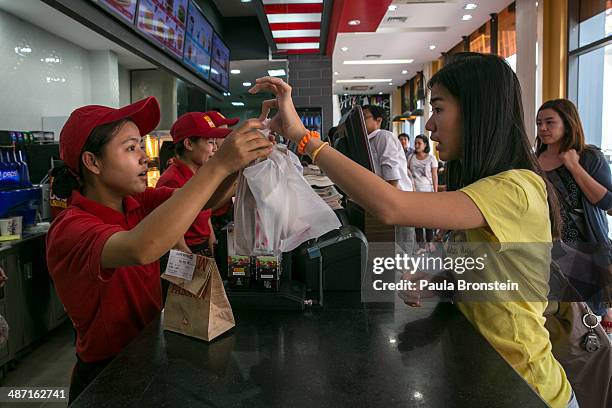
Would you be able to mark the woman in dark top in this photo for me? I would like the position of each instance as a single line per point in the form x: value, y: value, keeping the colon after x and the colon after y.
x: 582, y: 177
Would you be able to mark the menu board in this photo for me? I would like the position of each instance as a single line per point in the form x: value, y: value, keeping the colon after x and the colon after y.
x: 164, y: 22
x: 198, y: 42
x: 219, y: 67
x: 124, y: 9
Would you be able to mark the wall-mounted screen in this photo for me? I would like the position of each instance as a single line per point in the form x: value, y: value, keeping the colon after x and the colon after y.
x: 198, y: 41
x: 164, y: 22
x: 124, y: 9
x: 219, y: 67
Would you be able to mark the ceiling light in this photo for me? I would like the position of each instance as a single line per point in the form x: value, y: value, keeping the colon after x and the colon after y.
x: 404, y: 71
x: 432, y: 47
x: 392, y: 7
x: 336, y: 73
x: 345, y: 94
x: 245, y: 1
x: 359, y: 81
x: 345, y: 49
x: 380, y: 93
x: 466, y: 17
x: 246, y: 84
x: 237, y: 103
x: 227, y: 94
x: 235, y: 71
x: 378, y: 62
x: 470, y: 6
x: 390, y: 83
x: 354, y: 22
x: 277, y: 72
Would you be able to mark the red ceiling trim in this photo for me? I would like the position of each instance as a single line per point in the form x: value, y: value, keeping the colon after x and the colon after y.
x: 293, y: 8
x: 290, y: 40
x: 295, y: 26
x: 309, y: 51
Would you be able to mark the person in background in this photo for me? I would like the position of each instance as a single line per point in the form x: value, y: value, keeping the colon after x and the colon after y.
x: 498, y: 195
x: 441, y: 176
x: 389, y: 161
x: 103, y: 250
x: 423, y: 169
x: 194, y: 136
x: 581, y: 175
x: 404, y: 139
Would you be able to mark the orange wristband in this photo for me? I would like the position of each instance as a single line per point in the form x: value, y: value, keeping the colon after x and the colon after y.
x: 304, y: 141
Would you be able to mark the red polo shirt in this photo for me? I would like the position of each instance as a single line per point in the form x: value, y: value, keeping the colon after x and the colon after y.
x: 176, y: 176
x: 108, y: 307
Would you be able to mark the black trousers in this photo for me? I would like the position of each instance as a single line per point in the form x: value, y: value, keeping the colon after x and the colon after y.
x: 82, y: 375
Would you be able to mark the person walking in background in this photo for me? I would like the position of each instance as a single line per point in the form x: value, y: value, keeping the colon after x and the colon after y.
x: 405, y: 142
x: 423, y: 169
x: 581, y: 175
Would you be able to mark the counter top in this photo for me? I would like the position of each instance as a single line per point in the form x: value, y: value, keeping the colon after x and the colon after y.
x: 345, y: 355
x: 5, y: 245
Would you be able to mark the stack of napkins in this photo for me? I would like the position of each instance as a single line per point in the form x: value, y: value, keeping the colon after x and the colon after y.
x: 331, y: 196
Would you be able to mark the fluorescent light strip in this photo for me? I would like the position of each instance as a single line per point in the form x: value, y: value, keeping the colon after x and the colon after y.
x: 361, y: 81
x: 296, y: 33
x: 294, y: 18
x: 292, y: 1
x: 378, y: 62
x: 297, y: 46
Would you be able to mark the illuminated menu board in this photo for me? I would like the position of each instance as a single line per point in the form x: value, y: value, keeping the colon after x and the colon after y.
x: 198, y: 42
x: 124, y: 9
x: 219, y: 67
x: 164, y: 22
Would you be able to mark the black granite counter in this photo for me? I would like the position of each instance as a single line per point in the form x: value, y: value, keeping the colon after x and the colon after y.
x: 346, y: 355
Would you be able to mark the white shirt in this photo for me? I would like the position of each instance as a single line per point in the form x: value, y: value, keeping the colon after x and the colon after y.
x: 421, y: 171
x: 389, y: 158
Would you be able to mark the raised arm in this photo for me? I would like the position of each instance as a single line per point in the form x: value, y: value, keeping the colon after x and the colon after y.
x: 450, y: 210
x: 164, y: 226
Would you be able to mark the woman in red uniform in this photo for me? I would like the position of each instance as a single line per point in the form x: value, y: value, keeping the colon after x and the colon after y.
x: 194, y: 135
x: 103, y: 250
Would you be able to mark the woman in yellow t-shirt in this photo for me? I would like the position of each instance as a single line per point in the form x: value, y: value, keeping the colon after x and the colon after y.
x: 497, y: 196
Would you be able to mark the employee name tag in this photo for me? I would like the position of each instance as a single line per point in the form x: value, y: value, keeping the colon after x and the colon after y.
x: 181, y: 264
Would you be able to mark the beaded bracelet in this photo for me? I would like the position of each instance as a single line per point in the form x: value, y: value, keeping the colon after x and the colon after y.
x: 304, y: 141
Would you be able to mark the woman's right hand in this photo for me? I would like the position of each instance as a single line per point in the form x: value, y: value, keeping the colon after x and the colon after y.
x: 244, y: 145
x: 287, y: 121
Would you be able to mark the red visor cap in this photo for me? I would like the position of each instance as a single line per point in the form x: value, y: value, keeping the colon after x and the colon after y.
x: 197, y: 124
x: 82, y: 121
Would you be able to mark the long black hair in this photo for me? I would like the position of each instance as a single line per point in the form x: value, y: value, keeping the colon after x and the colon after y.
x: 493, y: 128
x: 64, y: 180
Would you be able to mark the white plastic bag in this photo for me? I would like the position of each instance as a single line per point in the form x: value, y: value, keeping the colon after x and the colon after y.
x: 275, y: 209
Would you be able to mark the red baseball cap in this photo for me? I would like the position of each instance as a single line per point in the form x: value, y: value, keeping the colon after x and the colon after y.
x: 82, y: 121
x: 197, y: 124
x: 221, y: 120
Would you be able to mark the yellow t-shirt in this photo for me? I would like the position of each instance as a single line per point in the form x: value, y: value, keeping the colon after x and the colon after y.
x: 518, y: 234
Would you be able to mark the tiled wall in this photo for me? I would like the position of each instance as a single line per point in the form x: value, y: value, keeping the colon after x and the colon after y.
x: 42, y: 75
x: 310, y: 77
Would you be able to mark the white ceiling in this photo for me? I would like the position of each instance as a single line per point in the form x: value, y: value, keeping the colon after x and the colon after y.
x: 39, y: 14
x: 427, y: 24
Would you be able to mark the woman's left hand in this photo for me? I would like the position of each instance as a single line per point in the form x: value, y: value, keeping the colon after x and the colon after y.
x: 570, y: 159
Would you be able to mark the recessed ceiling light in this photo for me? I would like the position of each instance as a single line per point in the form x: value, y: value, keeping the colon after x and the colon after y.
x: 246, y: 84
x: 378, y: 62
x: 357, y: 81
x: 345, y: 49
x: 466, y: 17
x: 354, y: 22
x: 470, y: 6
x: 277, y: 72
x: 245, y: 1
x: 237, y: 103
x: 226, y: 94
x: 392, y: 7
x: 345, y: 94
x: 432, y: 47
x: 380, y: 93
x: 404, y: 71
x: 336, y: 73
x: 390, y: 83
x: 235, y: 71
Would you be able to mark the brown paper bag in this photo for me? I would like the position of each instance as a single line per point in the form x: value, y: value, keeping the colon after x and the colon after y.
x: 198, y: 308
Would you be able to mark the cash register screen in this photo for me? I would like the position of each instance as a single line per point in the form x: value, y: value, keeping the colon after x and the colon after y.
x: 352, y: 138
